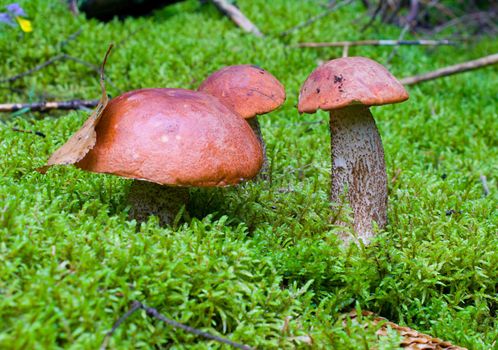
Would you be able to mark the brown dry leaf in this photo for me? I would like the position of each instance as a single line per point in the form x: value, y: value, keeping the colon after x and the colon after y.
x: 85, y: 138
x: 412, y: 339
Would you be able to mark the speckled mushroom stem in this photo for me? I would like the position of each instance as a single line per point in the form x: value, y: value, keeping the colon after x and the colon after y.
x: 264, y: 173
x: 148, y: 198
x: 358, y: 168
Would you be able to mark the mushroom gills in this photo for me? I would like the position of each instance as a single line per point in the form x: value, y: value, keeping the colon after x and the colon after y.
x: 358, y: 169
x: 148, y: 198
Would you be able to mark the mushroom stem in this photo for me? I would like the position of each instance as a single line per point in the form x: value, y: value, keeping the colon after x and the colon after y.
x: 148, y: 198
x: 358, y: 168
x: 264, y: 173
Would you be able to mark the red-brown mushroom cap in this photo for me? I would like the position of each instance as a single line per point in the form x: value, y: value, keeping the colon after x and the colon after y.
x: 246, y: 89
x: 349, y: 81
x: 175, y: 137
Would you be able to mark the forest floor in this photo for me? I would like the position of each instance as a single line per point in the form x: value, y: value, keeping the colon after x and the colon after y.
x: 260, y: 263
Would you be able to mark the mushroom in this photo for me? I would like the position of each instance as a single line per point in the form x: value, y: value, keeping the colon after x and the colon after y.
x: 347, y: 87
x: 170, y: 139
x: 249, y: 91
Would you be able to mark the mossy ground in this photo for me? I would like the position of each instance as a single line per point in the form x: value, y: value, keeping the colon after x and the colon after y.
x: 248, y: 257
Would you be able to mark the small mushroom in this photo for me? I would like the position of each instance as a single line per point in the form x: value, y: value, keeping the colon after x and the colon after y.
x: 249, y: 91
x: 168, y: 140
x: 347, y: 87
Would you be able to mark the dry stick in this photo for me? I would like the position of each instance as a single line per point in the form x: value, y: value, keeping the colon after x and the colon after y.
x: 457, y: 68
x: 413, y: 14
x: 34, y: 69
x: 331, y: 8
x: 376, y: 12
x: 411, y: 22
x: 471, y: 17
x: 73, y: 7
x: 345, y: 51
x: 46, y: 106
x: 443, y: 9
x: 70, y: 38
x: 50, y: 61
x: 38, y: 133
x: 484, y: 182
x: 395, y: 48
x: 237, y: 16
x: 377, y: 43
x: 390, y: 18
x: 136, y: 305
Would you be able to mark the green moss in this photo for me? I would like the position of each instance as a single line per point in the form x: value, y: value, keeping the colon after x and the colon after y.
x: 252, y: 256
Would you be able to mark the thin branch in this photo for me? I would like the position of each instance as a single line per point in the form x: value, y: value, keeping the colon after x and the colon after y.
x: 82, y: 62
x: 377, y: 43
x: 395, y: 48
x: 237, y: 16
x: 345, y: 51
x: 411, y: 18
x: 376, y: 12
x: 394, y: 13
x: 450, y: 70
x: 53, y: 60
x: 73, y: 7
x: 136, y: 305
x: 38, y: 133
x: 331, y: 8
x: 70, y: 38
x: 34, y: 69
x: 128, y: 36
x: 154, y: 313
x: 484, y: 183
x: 471, y: 17
x: 440, y: 7
x: 46, y: 106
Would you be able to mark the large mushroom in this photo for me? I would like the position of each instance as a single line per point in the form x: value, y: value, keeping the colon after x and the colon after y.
x: 170, y: 139
x: 347, y: 87
x: 249, y: 91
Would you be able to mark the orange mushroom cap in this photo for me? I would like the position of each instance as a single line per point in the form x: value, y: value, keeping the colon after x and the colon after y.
x: 349, y: 81
x: 174, y: 137
x: 247, y: 90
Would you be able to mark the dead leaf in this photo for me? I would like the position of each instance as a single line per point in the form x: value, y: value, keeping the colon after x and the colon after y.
x: 85, y: 138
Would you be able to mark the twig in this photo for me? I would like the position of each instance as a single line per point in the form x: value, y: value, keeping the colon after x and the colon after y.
x: 331, y: 8
x: 412, y: 15
x: 457, y: 68
x: 136, y: 305
x: 394, y: 13
x: 39, y: 133
x: 484, y: 182
x: 395, y: 48
x: 471, y: 17
x: 376, y: 12
x: 70, y: 38
x: 345, y: 51
x: 52, y: 60
x: 34, y: 69
x: 73, y: 7
x: 377, y: 43
x: 82, y: 62
x: 237, y: 16
x: 411, y: 22
x: 46, y: 106
x: 127, y: 36
x: 440, y: 7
